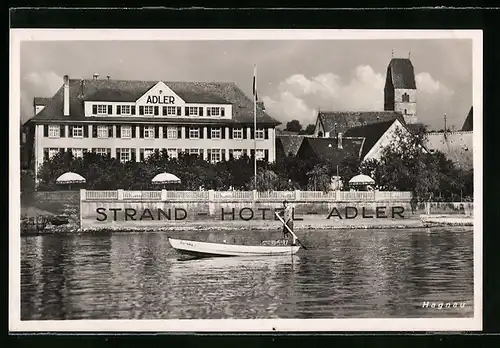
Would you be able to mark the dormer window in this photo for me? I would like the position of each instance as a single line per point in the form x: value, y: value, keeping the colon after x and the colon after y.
x: 193, y: 111
x: 169, y: 110
x: 406, y: 98
x: 102, y: 109
x: 148, y: 110
x: 216, y: 133
x: 126, y: 110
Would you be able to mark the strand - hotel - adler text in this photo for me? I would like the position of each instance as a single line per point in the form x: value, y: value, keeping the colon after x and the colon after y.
x: 129, y: 120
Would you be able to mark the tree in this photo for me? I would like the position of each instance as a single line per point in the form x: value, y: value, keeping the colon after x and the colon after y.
x: 293, y: 126
x: 320, y: 178
x: 309, y: 130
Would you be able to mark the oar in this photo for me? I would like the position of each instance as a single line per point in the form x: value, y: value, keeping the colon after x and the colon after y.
x: 289, y: 230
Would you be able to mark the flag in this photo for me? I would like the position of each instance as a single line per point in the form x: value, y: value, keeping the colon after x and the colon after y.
x: 255, y: 82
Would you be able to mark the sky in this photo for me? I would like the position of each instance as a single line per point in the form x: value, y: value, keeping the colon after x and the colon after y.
x: 295, y: 79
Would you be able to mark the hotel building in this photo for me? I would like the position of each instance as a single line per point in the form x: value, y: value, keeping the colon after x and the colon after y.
x: 129, y: 120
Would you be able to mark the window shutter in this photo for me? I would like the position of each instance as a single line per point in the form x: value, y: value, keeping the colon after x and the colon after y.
x: 157, y: 110
x: 223, y: 132
x: 208, y: 111
x: 252, y: 154
x: 85, y: 131
x: 157, y: 131
x: 133, y: 130
x: 118, y: 153
x: 266, y: 155
x: 223, y: 154
x: 108, y: 151
x: 141, y: 132
x: 133, y: 110
x: 132, y: 155
x: 92, y: 150
x: 118, y: 110
x: 186, y: 132
x: 118, y: 131
x: 201, y: 132
x: 231, y: 156
x: 164, y: 111
x: 94, y: 109
x: 179, y: 111
x: 141, y: 155
x: 141, y: 110
x: 45, y: 130
x: 200, y: 111
x: 266, y: 133
x: 110, y: 109
x: 231, y: 129
x: 62, y: 131
x: 244, y: 132
x: 186, y: 111
x: 179, y: 133
x: 209, y: 132
x: 61, y: 150
x: 252, y: 133
x: 110, y: 131
x: 45, y: 154
x: 245, y: 152
x: 201, y: 153
x: 94, y: 131
x: 209, y: 155
x: 222, y: 111
x: 70, y: 131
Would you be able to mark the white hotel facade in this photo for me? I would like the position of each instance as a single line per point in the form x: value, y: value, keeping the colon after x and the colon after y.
x: 129, y: 120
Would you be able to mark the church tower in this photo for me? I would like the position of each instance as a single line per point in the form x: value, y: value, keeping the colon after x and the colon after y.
x: 400, y: 91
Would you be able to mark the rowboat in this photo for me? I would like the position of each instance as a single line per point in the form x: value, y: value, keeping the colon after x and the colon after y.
x: 207, y: 249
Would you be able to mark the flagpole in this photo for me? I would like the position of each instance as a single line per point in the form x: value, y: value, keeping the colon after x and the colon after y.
x: 255, y: 125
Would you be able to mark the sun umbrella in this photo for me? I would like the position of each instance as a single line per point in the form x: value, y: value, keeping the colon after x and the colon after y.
x: 69, y: 178
x: 166, y: 178
x: 361, y: 179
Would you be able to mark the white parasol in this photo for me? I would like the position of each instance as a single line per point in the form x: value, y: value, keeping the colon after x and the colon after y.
x: 166, y: 178
x: 69, y: 178
x: 361, y: 179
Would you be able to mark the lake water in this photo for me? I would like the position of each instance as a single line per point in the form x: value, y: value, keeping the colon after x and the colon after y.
x: 343, y: 274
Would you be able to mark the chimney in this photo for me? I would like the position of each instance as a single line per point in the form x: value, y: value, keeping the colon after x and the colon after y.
x: 66, y: 95
x: 95, y: 76
x: 339, y: 140
x: 260, y: 104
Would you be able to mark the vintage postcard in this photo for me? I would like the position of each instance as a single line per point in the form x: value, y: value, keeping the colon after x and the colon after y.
x: 245, y: 180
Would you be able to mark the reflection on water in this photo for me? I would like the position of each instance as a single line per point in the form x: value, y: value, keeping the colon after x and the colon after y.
x: 362, y: 273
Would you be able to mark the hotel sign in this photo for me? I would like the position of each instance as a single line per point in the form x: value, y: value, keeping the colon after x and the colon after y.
x: 163, y: 99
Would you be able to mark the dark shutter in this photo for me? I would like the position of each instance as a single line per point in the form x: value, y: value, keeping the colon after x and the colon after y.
x: 110, y: 131
x: 157, y: 131
x: 179, y: 111
x: 85, y: 131
x: 209, y: 154
x: 133, y: 130
x: 223, y: 154
x: 186, y: 111
x: 133, y: 110
x: 46, y: 130
x: 222, y: 111
x: 61, y: 150
x: 252, y: 154
x: 118, y: 131
x: 132, y: 155
x: 245, y: 152
x: 141, y: 110
x: 201, y: 132
x: 110, y: 109
x: 118, y: 154
x: 252, y: 133
x: 164, y: 111
x: 94, y: 131
x: 118, y: 110
x: 200, y: 111
x: 223, y: 132
x: 141, y: 132
x: 62, y: 131
x: 45, y: 154
x: 244, y: 132
x: 201, y: 153
x: 209, y: 132
x: 94, y: 109
x: 186, y: 132
x: 108, y: 151
x: 208, y: 111
x: 92, y: 150
x: 231, y: 129
x: 70, y: 131
x: 266, y: 133
x: 266, y: 155
x: 179, y: 133
x: 231, y: 156
x: 157, y: 110
x: 141, y: 155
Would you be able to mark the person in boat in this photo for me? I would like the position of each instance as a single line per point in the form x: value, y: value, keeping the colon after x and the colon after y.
x: 287, y: 215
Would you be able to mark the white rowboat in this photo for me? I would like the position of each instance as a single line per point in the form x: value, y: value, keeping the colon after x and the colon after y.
x: 205, y: 249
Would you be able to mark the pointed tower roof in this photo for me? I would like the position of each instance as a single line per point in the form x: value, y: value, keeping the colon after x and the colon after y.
x: 468, y: 121
x: 401, y: 73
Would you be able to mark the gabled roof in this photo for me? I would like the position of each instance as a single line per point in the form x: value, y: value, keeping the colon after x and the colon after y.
x: 372, y: 133
x: 401, y: 73
x: 326, y: 149
x: 130, y: 91
x: 40, y: 101
x: 468, y: 121
x: 341, y: 121
x: 290, y: 143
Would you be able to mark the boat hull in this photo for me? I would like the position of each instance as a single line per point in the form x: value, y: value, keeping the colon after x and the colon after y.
x: 205, y: 249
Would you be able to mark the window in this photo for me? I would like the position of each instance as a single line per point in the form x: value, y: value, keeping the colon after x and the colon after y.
x: 101, y: 151
x: 237, y: 153
x: 125, y: 110
x: 171, y: 110
x: 148, y: 152
x: 405, y: 111
x: 405, y: 98
x: 215, y: 155
x: 125, y: 155
x: 193, y: 111
x: 194, y: 133
x: 54, y: 131
x: 77, y: 153
x: 259, y: 134
x: 194, y: 151
x: 148, y: 110
x: 53, y: 152
x: 77, y: 131
x: 238, y: 133
x: 172, y: 132
x: 216, y: 133
x: 259, y: 154
x: 126, y: 132
x: 102, y: 109
x: 172, y: 153
x: 213, y: 111
x: 149, y: 132
x: 102, y: 132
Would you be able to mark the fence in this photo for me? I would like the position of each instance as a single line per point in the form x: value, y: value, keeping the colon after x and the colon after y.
x: 220, y: 196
